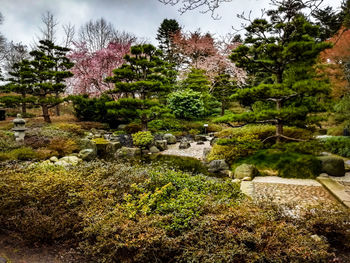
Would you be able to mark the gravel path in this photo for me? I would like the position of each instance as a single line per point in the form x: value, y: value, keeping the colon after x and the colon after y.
x: 195, y: 151
x: 345, y: 180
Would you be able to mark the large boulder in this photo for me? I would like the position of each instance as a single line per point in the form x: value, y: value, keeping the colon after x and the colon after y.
x: 87, y: 154
x: 129, y: 152
x: 216, y: 166
x: 88, y: 144
x: 332, y: 165
x: 162, y: 145
x: 245, y: 171
x: 171, y: 139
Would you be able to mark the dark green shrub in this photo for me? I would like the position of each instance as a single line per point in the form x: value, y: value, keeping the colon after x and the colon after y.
x: 294, y: 166
x: 91, y: 109
x: 186, y: 104
x: 338, y: 145
x: 21, y: 154
x: 133, y: 128
x: 313, y: 147
x: 288, y: 164
x: 164, y: 125
x: 142, y: 139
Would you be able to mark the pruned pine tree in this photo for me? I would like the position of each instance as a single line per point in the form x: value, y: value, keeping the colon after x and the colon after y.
x: 49, y: 69
x: 141, y: 82
x: 281, y: 50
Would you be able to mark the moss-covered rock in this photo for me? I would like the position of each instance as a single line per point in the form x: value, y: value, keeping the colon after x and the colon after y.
x: 332, y: 165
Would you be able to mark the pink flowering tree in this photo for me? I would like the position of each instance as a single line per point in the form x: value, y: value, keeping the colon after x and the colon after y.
x: 91, y: 68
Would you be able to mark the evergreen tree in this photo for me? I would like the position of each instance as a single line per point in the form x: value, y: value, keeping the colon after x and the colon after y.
x: 19, y: 82
x: 197, y: 80
x: 223, y: 88
x: 168, y: 28
x: 49, y: 69
x: 282, y: 50
x: 140, y: 83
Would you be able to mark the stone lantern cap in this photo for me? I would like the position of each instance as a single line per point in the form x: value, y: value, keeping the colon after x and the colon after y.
x: 19, y: 123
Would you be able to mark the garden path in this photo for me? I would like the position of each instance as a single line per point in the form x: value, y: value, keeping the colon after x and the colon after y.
x: 195, y: 151
x: 291, y: 191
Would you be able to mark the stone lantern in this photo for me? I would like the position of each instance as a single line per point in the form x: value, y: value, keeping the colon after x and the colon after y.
x: 19, y: 128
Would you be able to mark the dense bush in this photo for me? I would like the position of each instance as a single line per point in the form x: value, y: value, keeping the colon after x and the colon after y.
x: 119, y: 213
x: 265, y: 131
x: 234, y: 148
x: 164, y: 125
x: 132, y: 128
x: 91, y: 109
x: 21, y: 154
x: 338, y: 145
x: 313, y: 147
x: 142, y: 139
x: 7, y: 142
x: 288, y: 164
x: 69, y: 127
x: 63, y: 146
x: 186, y: 104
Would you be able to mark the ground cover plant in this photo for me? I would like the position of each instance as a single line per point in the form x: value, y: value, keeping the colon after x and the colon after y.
x: 116, y: 212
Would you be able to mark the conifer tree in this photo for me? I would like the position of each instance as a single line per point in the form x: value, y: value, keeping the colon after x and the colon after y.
x: 168, y: 28
x: 223, y: 88
x: 49, y: 69
x: 281, y: 50
x: 141, y: 82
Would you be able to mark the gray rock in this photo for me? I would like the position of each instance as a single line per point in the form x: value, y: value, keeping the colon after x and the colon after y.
x: 53, y: 159
x: 246, y: 170
x: 324, y: 175
x: 226, y: 173
x: 201, y: 138
x: 87, y: 154
x: 217, y: 166
x: 154, y: 149
x: 200, y: 143
x: 145, y: 152
x: 121, y: 126
x: 333, y: 166
x: 184, y: 145
x: 111, y: 149
x: 87, y: 144
x: 247, y: 179
x: 129, y: 152
x: 162, y: 145
x: 236, y: 181
x: 72, y: 160
x: 206, y: 151
x: 171, y: 139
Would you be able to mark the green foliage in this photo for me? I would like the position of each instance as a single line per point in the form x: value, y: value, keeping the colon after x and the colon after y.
x: 100, y: 141
x: 121, y: 213
x: 7, y: 142
x: 164, y: 125
x: 142, y: 139
x: 313, y: 147
x: 338, y: 145
x: 235, y: 148
x: 288, y: 164
x: 21, y: 154
x: 91, y: 109
x: 144, y: 73
x: 63, y: 146
x: 224, y: 88
x: 279, y: 53
x: 186, y: 104
x: 342, y: 109
x: 132, y: 128
x: 69, y: 127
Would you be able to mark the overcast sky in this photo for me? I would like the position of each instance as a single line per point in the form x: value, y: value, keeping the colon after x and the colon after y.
x: 140, y: 17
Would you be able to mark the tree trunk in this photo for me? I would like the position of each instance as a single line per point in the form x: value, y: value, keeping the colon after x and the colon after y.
x: 46, y: 114
x: 58, y: 112
x: 24, y: 105
x: 279, y: 125
x: 222, y: 109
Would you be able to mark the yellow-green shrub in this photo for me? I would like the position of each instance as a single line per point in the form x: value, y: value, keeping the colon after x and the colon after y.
x: 63, y: 146
x: 69, y: 127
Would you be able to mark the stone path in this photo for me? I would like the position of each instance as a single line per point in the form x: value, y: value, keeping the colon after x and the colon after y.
x: 195, y: 151
x: 345, y: 180
x: 290, y: 191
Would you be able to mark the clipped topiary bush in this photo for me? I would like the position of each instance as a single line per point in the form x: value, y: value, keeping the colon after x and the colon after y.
x: 142, y: 139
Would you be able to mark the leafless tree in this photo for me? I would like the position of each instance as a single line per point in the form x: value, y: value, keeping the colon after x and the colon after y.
x: 69, y: 35
x: 15, y: 53
x: 98, y: 34
x: 206, y: 5
x: 2, y: 41
x: 49, y: 27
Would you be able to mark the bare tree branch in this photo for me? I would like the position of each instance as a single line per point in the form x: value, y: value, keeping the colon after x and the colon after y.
x: 48, y: 30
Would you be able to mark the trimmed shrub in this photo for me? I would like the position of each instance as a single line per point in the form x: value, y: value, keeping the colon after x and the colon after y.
x: 164, y: 125
x: 63, y: 146
x: 186, y: 104
x: 69, y: 127
x: 142, y: 139
x: 338, y: 145
x: 133, y: 128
